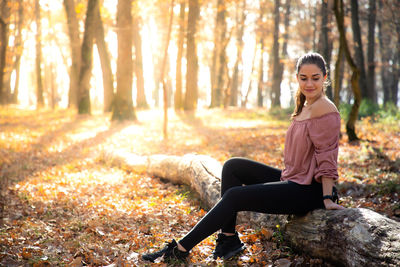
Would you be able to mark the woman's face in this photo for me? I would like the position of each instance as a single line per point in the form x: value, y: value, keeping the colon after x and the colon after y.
x: 311, y: 81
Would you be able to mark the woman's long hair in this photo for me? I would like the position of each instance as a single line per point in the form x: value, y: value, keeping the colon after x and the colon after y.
x: 309, y: 58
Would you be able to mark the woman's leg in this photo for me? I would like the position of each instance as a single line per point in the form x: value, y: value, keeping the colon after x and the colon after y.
x: 274, y: 198
x: 242, y: 171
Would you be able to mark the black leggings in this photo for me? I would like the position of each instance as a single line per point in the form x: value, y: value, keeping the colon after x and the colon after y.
x: 262, y: 192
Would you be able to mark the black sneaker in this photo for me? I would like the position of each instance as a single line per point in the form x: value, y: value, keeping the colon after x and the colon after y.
x: 169, y: 252
x: 227, y: 246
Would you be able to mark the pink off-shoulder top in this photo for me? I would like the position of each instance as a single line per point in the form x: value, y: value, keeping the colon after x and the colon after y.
x: 311, y: 149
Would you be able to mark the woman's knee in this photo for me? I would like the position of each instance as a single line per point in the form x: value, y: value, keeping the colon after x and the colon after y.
x: 232, y: 194
x: 231, y: 164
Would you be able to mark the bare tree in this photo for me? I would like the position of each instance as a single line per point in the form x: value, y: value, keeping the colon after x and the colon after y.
x: 350, y: 125
x: 75, y: 45
x: 164, y: 62
x: 4, y: 24
x: 38, y: 61
x: 87, y: 58
x: 141, y: 101
x: 276, y: 85
x: 358, y: 48
x: 191, y: 95
x: 104, y: 54
x: 236, y: 76
x: 181, y: 38
x: 123, y: 107
x: 278, y: 73
x: 18, y: 51
x: 262, y: 33
x: 219, y: 55
x: 371, y: 49
x: 325, y: 43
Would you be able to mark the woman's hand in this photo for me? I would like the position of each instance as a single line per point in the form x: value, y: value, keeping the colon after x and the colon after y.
x: 330, y: 205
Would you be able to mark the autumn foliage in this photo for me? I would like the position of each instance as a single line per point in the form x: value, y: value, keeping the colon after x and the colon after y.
x: 67, y: 204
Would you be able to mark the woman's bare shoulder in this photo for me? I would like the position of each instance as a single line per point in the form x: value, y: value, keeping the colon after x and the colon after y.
x: 322, y: 107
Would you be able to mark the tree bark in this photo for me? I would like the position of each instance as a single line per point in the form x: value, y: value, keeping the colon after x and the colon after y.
x: 104, y: 54
x: 75, y: 45
x: 38, y: 59
x: 219, y: 55
x: 371, y: 49
x: 278, y: 73
x: 123, y: 107
x: 178, y: 97
x: 350, y: 125
x: 337, y: 81
x: 325, y: 42
x: 4, y: 24
x: 141, y: 101
x: 163, y: 66
x: 191, y: 95
x: 236, y: 76
x: 350, y: 237
x: 85, y: 72
x: 18, y: 54
x: 358, y: 48
x: 260, y: 86
x: 276, y: 85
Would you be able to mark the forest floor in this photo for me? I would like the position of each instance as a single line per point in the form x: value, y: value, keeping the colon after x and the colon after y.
x: 65, y: 204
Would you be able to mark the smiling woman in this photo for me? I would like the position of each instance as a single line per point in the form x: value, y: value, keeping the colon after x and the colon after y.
x: 304, y: 184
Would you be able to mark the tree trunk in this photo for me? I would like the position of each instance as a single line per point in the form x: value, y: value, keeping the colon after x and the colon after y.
x: 236, y: 77
x: 396, y: 76
x: 260, y: 87
x: 337, y: 82
x: 108, y: 80
x: 123, y: 107
x: 141, y: 101
x: 178, y: 99
x: 358, y: 48
x: 351, y: 122
x: 276, y: 83
x: 38, y: 59
x: 396, y: 56
x: 246, y: 96
x: 192, y: 61
x: 278, y: 73
x: 313, y: 15
x: 371, y: 49
x: 384, y: 40
x: 163, y: 66
x: 219, y: 55
x: 75, y: 44
x: 87, y: 58
x: 4, y: 24
x: 18, y: 53
x: 360, y: 237
x: 325, y: 42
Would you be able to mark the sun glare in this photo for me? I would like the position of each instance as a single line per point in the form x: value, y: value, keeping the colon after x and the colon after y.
x: 56, y: 60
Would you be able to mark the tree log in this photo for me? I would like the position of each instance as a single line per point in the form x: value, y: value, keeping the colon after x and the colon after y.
x: 350, y: 237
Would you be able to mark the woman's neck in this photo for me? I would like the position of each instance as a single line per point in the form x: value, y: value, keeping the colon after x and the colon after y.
x: 310, y: 101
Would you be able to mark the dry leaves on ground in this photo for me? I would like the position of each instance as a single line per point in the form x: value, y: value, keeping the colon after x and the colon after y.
x: 65, y: 205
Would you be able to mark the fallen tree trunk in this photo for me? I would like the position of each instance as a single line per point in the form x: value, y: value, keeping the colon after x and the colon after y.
x: 351, y: 237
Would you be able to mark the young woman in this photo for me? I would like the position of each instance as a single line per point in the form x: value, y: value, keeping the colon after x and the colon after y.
x: 306, y: 182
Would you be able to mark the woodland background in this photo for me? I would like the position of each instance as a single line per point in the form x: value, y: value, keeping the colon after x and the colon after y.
x: 80, y: 78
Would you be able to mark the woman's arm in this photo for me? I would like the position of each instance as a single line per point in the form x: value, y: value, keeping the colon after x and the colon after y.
x: 327, y: 185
